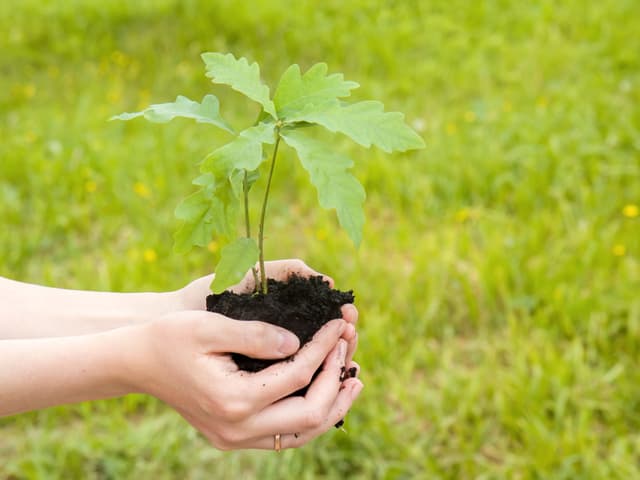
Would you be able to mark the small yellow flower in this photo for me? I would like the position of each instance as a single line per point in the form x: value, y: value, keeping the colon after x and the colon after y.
x: 462, y: 215
x: 451, y: 128
x: 507, y: 106
x: 542, y: 102
x: 90, y: 186
x: 470, y: 116
x: 141, y: 190
x: 119, y: 58
x: 322, y: 234
x: 114, y: 95
x: 619, y: 250
x: 29, y: 90
x: 213, y: 246
x: 558, y: 293
x: 150, y: 255
x: 631, y: 211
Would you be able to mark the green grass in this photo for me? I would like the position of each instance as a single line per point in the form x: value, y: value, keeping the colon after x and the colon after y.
x: 498, y: 278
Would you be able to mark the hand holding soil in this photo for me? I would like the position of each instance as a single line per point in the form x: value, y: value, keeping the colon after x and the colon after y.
x: 193, y: 296
x: 166, y: 345
x: 185, y: 363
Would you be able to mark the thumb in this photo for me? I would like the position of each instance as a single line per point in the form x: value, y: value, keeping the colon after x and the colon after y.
x: 251, y: 338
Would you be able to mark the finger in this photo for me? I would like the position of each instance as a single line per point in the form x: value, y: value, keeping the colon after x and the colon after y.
x: 353, y: 368
x: 279, y: 270
x: 284, y: 378
x: 247, y: 284
x: 193, y: 296
x: 350, y: 313
x: 283, y: 269
x: 341, y: 406
x: 255, y: 339
x: 349, y: 332
x: 297, y: 413
x: 351, y: 336
x: 352, y: 346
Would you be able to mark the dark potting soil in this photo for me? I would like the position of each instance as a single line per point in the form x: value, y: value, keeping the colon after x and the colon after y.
x: 302, y: 305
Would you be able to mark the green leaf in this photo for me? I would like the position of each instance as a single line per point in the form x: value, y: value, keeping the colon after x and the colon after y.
x: 297, y: 94
x: 205, y: 214
x: 239, y: 75
x: 199, y: 213
x: 205, y: 180
x: 212, y: 211
x: 368, y: 124
x: 337, y: 188
x: 242, y: 153
x: 236, y: 259
x: 206, y: 112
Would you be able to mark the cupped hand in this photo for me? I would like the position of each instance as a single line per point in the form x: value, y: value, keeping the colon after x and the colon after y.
x: 193, y: 296
x: 183, y: 360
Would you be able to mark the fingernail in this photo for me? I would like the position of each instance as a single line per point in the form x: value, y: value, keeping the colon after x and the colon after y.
x: 342, y: 350
x: 289, y: 343
x: 342, y: 325
x: 350, y: 331
x: 349, y: 309
x: 356, y: 389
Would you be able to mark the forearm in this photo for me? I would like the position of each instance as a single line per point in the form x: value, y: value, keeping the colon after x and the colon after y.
x: 39, y: 373
x: 30, y: 311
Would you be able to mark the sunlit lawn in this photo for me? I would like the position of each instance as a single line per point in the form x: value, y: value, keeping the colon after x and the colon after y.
x: 499, y: 275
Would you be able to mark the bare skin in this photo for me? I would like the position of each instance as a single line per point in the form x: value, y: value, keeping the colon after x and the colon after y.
x: 57, y: 350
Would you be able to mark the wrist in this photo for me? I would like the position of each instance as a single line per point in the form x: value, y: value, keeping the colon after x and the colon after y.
x: 134, y: 366
x: 150, y: 306
x: 126, y: 347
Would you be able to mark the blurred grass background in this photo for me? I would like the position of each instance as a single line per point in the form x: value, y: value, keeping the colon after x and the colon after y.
x: 499, y: 276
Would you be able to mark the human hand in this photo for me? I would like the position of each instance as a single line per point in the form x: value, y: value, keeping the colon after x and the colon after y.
x: 192, y: 297
x: 182, y: 359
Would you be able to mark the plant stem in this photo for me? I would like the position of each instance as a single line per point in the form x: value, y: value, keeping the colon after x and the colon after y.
x: 263, y: 274
x: 247, y: 220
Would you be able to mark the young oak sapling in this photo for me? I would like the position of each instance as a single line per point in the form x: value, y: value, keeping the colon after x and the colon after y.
x: 300, y: 103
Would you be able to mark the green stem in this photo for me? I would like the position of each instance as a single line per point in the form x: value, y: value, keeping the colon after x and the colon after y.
x: 263, y: 274
x: 247, y: 220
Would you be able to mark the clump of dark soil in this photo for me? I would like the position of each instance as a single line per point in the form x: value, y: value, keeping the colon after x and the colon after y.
x: 301, y: 305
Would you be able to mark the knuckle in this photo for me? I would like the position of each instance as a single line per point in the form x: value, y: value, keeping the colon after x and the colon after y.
x: 235, y: 411
x: 261, y: 331
x: 209, y: 405
x: 250, y: 338
x: 230, y: 437
x: 298, y: 263
x: 221, y: 445
x: 311, y: 363
x: 313, y: 419
x: 257, y: 336
x: 216, y: 441
x: 302, y: 378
